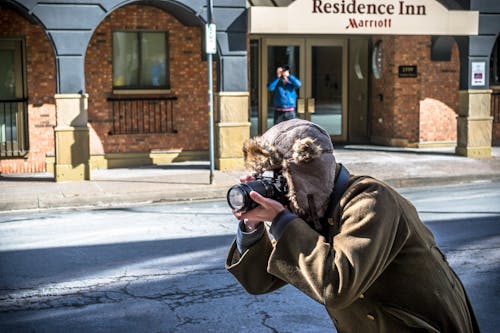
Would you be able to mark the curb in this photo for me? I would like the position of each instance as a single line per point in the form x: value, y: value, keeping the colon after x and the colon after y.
x: 434, y: 181
x: 218, y: 192
x: 112, y: 200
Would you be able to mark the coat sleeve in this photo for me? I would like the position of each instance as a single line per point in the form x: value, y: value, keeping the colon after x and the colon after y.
x: 251, y: 267
x: 370, y: 236
x: 272, y: 85
x: 295, y: 82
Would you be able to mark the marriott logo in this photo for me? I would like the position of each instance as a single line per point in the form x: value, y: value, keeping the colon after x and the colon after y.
x: 376, y: 8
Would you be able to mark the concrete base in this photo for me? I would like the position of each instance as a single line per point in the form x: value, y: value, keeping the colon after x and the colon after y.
x: 72, y: 154
x: 392, y: 142
x: 229, y: 164
x: 436, y: 144
x: 123, y: 160
x: 232, y: 129
x: 476, y: 152
x: 474, y: 124
x: 71, y: 138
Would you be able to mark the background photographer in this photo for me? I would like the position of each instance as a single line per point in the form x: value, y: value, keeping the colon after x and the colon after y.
x: 351, y: 243
x: 285, y: 96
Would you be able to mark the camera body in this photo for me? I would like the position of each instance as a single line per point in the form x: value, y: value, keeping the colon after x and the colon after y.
x: 269, y: 184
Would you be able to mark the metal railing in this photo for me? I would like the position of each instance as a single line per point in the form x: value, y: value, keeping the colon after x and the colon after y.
x: 143, y: 115
x: 495, y: 106
x: 14, y: 127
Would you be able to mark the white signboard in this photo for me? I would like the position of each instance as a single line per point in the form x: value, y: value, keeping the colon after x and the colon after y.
x: 210, y: 39
x: 399, y: 17
x: 478, y: 73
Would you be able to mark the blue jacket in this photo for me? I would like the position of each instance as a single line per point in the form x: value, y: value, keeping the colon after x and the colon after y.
x: 285, y: 95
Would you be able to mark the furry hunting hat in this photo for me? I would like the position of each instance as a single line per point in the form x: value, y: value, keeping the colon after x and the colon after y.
x: 304, y: 153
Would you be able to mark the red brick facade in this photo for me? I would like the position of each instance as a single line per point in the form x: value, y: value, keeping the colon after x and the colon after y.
x: 188, y: 74
x: 404, y: 111
x: 41, y: 88
x: 495, y: 113
x: 412, y: 111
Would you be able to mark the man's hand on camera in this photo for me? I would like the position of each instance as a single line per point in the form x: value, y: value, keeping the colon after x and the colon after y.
x: 267, y: 210
x: 279, y: 71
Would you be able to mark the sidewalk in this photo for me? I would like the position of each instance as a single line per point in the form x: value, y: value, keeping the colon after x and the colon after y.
x: 190, y: 180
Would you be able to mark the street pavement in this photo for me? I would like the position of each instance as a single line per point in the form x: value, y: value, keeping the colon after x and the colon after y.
x: 188, y: 181
x: 160, y: 268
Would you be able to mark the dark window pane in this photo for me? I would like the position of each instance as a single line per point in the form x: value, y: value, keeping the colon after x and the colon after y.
x: 140, y: 60
x: 7, y: 74
x: 125, y: 59
x: 153, y: 68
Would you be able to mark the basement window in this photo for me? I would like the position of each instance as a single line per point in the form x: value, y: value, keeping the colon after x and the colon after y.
x: 140, y: 62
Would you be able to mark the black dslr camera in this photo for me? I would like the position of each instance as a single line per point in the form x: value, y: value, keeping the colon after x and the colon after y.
x: 269, y: 184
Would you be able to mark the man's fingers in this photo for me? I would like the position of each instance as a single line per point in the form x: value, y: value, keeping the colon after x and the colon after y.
x: 258, y: 198
x: 246, y: 178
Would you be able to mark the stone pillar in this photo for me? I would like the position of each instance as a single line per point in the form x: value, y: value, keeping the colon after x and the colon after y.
x: 71, y: 138
x: 474, y: 124
x: 232, y: 128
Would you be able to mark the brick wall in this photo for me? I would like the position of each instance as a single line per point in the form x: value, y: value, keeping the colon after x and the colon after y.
x: 415, y: 110
x: 41, y: 87
x: 496, y: 134
x: 188, y: 82
x: 495, y: 113
x: 439, y: 98
x: 382, y: 104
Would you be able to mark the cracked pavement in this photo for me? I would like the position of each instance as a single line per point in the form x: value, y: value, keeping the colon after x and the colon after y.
x: 135, y: 269
x: 160, y: 268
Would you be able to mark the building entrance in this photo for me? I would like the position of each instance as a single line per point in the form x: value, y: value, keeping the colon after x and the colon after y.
x: 322, y: 64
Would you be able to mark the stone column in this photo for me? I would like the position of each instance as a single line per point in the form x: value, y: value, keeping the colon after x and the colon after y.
x: 232, y: 128
x: 71, y: 138
x: 474, y: 124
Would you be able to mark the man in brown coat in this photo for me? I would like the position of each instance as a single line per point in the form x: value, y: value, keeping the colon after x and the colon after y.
x: 351, y: 243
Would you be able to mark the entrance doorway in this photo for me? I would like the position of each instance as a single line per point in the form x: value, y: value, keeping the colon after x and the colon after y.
x: 323, y: 66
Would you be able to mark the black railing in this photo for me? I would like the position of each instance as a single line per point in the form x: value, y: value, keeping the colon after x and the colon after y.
x: 14, y: 127
x: 143, y: 115
x: 495, y: 106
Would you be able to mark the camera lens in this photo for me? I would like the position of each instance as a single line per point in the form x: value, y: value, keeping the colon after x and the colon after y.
x: 236, y: 198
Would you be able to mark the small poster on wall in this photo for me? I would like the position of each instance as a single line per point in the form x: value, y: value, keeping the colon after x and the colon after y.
x: 478, y: 73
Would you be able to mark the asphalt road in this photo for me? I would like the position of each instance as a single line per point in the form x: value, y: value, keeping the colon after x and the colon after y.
x: 160, y: 268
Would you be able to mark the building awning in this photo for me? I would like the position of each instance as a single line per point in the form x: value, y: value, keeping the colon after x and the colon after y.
x: 367, y: 17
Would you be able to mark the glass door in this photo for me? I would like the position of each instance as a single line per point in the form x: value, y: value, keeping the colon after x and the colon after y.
x: 326, y: 82
x: 278, y: 52
x: 321, y: 65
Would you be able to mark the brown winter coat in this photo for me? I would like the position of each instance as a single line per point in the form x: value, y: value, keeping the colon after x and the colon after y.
x: 382, y: 272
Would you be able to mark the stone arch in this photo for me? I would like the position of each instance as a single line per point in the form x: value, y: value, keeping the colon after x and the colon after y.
x: 40, y: 87
x: 495, y: 87
x: 187, y: 68
x: 441, y: 47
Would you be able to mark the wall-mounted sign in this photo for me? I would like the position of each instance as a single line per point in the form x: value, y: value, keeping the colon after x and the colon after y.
x: 402, y: 17
x: 210, y: 39
x: 478, y: 73
x: 407, y: 71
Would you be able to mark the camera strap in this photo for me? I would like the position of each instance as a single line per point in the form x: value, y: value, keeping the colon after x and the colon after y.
x: 339, y: 187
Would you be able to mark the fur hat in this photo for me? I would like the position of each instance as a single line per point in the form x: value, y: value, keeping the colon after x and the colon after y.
x: 304, y: 153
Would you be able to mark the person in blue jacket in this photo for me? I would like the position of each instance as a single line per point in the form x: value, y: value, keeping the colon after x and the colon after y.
x: 285, y: 96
